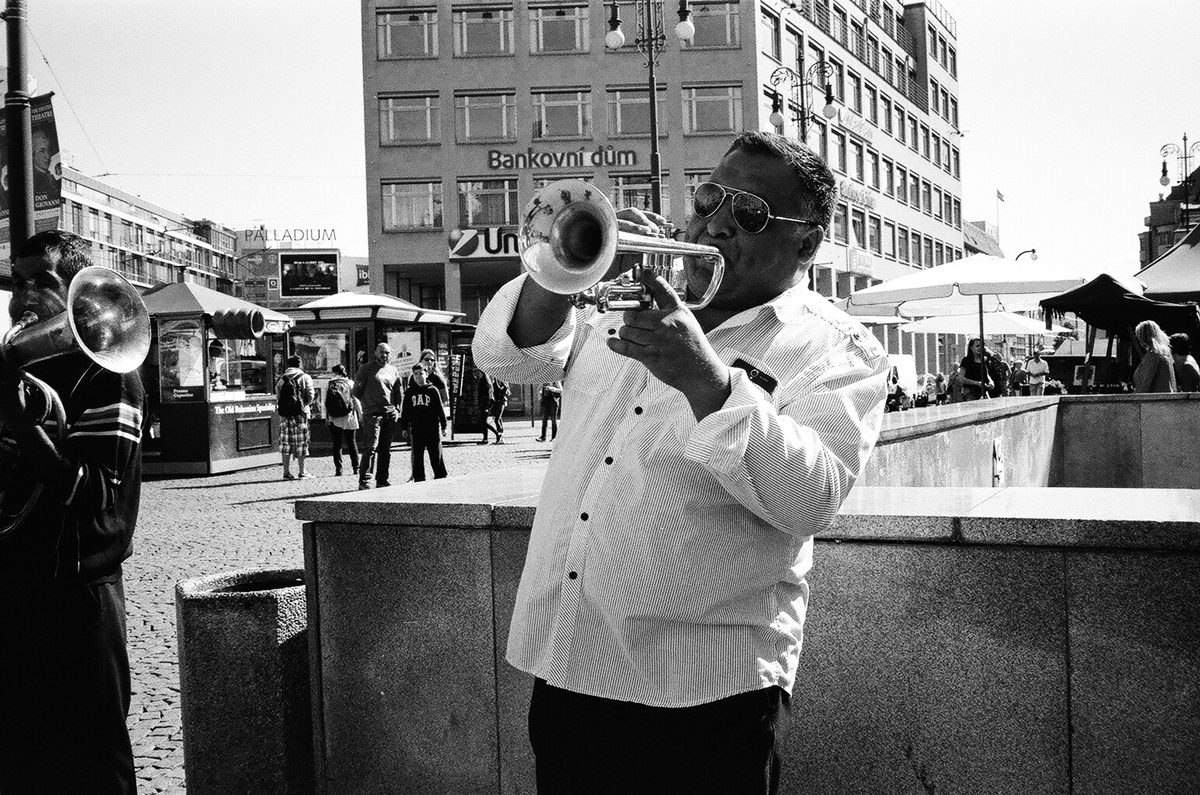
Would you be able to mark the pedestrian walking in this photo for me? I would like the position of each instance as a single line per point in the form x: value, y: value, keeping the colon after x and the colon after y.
x: 483, y: 392
x: 343, y: 413
x: 378, y: 385
x: 499, y: 403
x: 1036, y: 370
x: 293, y: 402
x: 425, y: 420
x: 551, y: 398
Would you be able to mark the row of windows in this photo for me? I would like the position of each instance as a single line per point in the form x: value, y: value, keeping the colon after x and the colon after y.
x: 553, y: 29
x: 942, y: 103
x: 855, y: 227
x: 417, y: 118
x: 943, y: 52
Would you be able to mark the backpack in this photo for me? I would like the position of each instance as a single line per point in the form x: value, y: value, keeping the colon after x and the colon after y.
x: 338, y: 402
x: 289, y: 403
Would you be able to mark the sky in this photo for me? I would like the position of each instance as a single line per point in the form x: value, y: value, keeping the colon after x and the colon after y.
x: 251, y: 112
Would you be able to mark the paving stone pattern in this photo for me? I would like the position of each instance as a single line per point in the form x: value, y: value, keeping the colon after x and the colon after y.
x: 190, y: 527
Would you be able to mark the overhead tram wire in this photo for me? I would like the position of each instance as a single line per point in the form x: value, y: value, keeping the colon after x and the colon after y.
x: 62, y: 90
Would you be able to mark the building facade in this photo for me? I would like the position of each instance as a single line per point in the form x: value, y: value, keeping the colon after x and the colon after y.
x: 470, y: 107
x: 1170, y: 219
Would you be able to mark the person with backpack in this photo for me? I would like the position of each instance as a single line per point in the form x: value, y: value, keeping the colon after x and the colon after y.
x: 294, y: 396
x: 342, y: 413
x: 496, y: 410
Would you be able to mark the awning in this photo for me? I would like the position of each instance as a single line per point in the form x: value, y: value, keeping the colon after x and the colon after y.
x: 370, y: 306
x: 1175, y: 276
x: 185, y: 298
x: 1113, y: 304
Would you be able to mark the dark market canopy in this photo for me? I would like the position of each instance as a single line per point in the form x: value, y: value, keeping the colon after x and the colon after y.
x: 1116, y: 305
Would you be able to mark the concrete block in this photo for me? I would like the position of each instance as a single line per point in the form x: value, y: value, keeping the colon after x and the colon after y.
x: 931, y: 669
x: 513, y: 686
x: 1101, y: 444
x: 1170, y: 433
x: 1135, y: 665
x: 243, y: 672
x: 406, y: 660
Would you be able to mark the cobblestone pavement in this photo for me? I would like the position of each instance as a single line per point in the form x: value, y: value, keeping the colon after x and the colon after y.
x: 190, y: 527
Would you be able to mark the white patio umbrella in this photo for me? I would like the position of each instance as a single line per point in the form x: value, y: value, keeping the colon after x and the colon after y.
x: 997, y: 323
x: 980, y: 282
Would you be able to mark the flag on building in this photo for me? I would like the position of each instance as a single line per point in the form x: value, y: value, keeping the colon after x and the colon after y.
x: 999, y: 196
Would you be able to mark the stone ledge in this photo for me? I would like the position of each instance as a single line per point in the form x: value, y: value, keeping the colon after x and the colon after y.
x: 900, y: 425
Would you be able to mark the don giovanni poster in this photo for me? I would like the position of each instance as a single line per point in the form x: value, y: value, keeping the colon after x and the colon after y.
x: 47, y: 171
x: 306, y: 273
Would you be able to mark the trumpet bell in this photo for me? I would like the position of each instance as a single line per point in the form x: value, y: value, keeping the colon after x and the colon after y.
x: 567, y: 239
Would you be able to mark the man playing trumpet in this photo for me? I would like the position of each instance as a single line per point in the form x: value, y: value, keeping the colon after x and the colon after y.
x: 662, y: 603
x: 64, y: 670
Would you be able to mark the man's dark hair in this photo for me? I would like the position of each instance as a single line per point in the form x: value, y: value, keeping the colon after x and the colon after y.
x: 74, y: 253
x: 293, y: 361
x: 816, y: 193
x: 338, y: 369
x: 1181, y: 344
x: 417, y: 367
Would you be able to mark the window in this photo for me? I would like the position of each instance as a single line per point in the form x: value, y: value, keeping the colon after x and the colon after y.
x: 542, y: 181
x: 820, y: 132
x: 483, y: 32
x: 939, y: 254
x: 954, y: 112
x: 319, y: 351
x: 928, y: 252
x: 886, y: 61
x: 901, y: 184
x: 945, y: 104
x: 942, y: 53
x: 856, y: 92
x: 925, y: 141
x: 915, y: 251
x: 926, y: 197
x: 889, y: 239
x: 912, y: 132
x: 952, y: 66
x: 947, y: 207
x: 914, y: 191
x: 933, y: 96
x: 874, y: 234
x: 712, y: 109
x: 937, y: 203
x: 873, y: 169
x: 558, y: 29
x: 885, y: 113
x: 858, y: 228
x: 482, y: 117
x: 946, y: 155
x: 957, y: 214
x: 768, y: 30
x: 841, y: 222
x: 409, y: 118
x: 954, y: 158
x: 716, y: 25
x: 873, y: 52
x: 933, y: 37
x: 562, y: 114
x: 872, y: 97
x: 902, y: 244
x: 487, y: 202
x: 889, y: 177
x: 937, y: 149
x: 839, y: 80
x: 412, y: 205
x: 839, y: 151
x: 900, y: 123
x: 856, y: 161
x: 633, y: 190
x: 411, y: 34
x: 839, y: 31
x: 792, y: 45
x: 629, y: 112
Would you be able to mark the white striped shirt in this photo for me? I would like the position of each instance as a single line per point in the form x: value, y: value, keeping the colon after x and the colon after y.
x: 667, y: 560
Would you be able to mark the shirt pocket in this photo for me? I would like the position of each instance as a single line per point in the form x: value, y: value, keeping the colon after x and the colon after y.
x: 594, y: 368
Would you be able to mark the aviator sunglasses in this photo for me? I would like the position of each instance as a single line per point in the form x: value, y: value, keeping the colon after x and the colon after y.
x: 750, y: 212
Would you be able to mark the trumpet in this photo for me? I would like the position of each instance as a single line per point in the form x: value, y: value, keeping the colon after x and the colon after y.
x: 569, y: 240
x: 105, y: 320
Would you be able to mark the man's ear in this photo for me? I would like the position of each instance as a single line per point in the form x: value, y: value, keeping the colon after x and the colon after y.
x: 809, y: 243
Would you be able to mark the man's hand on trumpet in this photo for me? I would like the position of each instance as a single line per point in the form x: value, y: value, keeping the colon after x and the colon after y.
x: 670, y: 342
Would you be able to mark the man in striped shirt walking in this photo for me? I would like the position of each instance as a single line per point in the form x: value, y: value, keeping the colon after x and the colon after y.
x: 64, y: 670
x: 662, y: 603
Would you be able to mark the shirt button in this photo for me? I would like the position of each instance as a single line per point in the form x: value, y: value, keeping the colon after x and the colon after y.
x: 637, y: 410
x: 583, y: 516
x: 608, y: 460
x: 573, y: 575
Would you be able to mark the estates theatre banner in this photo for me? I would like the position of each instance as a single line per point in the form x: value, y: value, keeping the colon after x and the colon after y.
x: 47, y: 172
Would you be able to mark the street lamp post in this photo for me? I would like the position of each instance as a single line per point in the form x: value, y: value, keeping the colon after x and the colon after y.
x: 1183, y: 154
x: 650, y: 42
x: 1032, y: 252
x: 802, y: 83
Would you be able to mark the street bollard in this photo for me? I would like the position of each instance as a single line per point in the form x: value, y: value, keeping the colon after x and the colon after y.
x: 244, y: 684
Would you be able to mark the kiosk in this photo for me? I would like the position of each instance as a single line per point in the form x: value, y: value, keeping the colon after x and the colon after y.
x: 345, y: 328
x: 210, y: 381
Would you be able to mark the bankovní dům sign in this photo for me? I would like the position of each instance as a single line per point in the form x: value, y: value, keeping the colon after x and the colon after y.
x: 47, y: 172
x: 576, y: 158
x: 305, y: 273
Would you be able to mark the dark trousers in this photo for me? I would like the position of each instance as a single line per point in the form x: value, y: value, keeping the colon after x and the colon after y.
x: 338, y: 436
x: 64, y: 691
x: 497, y: 424
x: 431, y: 441
x: 550, y: 415
x: 593, y: 746
x: 377, y: 431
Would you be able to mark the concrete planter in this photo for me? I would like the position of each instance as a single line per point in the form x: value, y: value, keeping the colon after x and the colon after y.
x: 243, y: 674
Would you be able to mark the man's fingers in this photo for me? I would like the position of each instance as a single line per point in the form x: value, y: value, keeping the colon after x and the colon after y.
x: 638, y: 336
x: 664, y: 295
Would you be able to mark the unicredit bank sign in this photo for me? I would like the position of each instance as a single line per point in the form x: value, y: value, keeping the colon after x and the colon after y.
x: 483, y: 243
